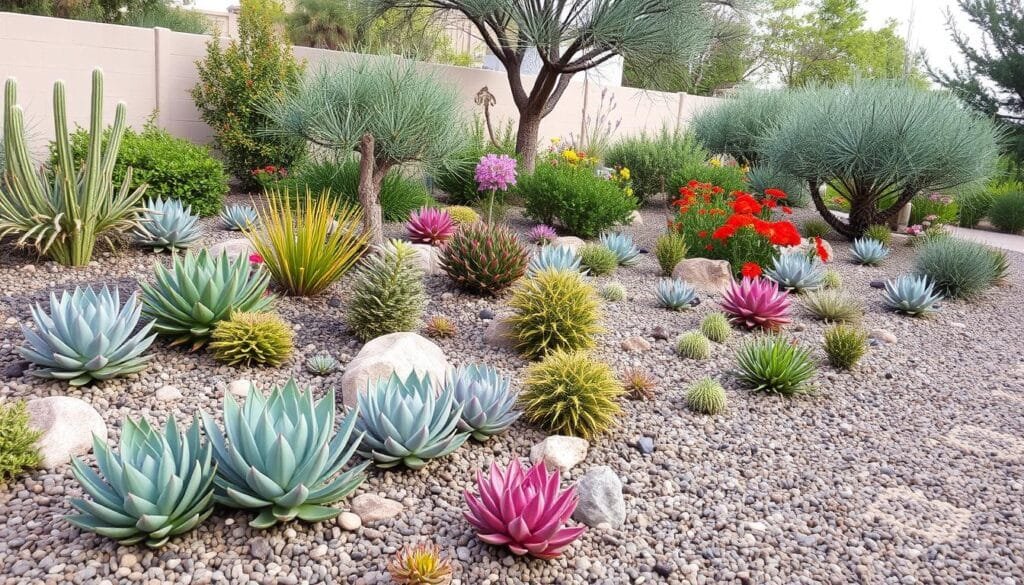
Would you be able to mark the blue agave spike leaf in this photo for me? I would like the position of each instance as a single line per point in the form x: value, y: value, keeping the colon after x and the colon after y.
x: 167, y: 225
x: 868, y: 251
x: 237, y: 217
x: 487, y: 404
x: 911, y: 294
x: 796, y: 272
x: 675, y: 294
x: 623, y: 247
x: 554, y: 257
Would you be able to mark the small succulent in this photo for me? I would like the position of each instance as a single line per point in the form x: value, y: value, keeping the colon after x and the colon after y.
x: 542, y: 234
x: 165, y: 225
x: 911, y: 294
x: 693, y: 345
x: 622, y: 245
x: 484, y: 258
x: 756, y: 303
x: 554, y: 310
x: 154, y: 486
x: 598, y: 259
x: 675, y: 294
x: 252, y: 339
x: 831, y: 279
x: 461, y: 214
x: 832, y: 306
x: 706, y: 396
x: 880, y: 233
x: 670, y: 249
x: 773, y: 364
x: 87, y: 336
x: 845, y: 345
x: 440, y: 327
x: 613, y: 292
x: 422, y: 564
x: 321, y: 364
x: 525, y: 511
x: 238, y: 217
x: 796, y: 272
x: 487, y: 404
x: 388, y: 295
x: 570, y: 393
x: 554, y: 258
x: 405, y: 422
x: 868, y: 252
x: 430, y: 225
x: 638, y: 384
x: 716, y: 327
x: 277, y: 455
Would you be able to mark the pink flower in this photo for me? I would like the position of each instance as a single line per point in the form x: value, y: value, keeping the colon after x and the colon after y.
x: 495, y: 172
x: 255, y: 258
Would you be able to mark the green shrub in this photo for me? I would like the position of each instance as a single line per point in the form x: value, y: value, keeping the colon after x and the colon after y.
x: 845, y: 345
x: 399, y: 194
x: 766, y: 176
x: 387, y: 293
x: 18, y: 450
x: 774, y: 364
x: 815, y: 228
x: 457, y: 177
x: 960, y: 269
x: 554, y: 310
x: 234, y: 84
x: 973, y: 206
x: 737, y: 126
x: 613, y: 292
x: 832, y: 279
x: 670, y: 249
x: 941, y: 208
x: 832, y: 306
x: 252, y: 338
x: 693, y: 345
x: 706, y: 396
x: 729, y: 178
x: 716, y: 327
x: 879, y: 233
x: 598, y: 259
x: 584, y: 203
x: 569, y: 393
x: 1007, y: 213
x: 652, y: 159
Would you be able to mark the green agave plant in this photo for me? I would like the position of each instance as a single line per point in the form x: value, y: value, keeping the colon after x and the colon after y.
x: 167, y: 225
x: 276, y: 455
x: 200, y: 291
x: 155, y: 486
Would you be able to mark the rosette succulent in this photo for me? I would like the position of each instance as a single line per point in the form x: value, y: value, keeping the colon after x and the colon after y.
x: 484, y: 258
x: 321, y: 364
x: 622, y: 245
x: 756, y: 303
x: 555, y: 258
x: 868, y: 252
x: 238, y: 217
x: 422, y: 564
x: 488, y: 407
x: 911, y: 294
x: 674, y: 294
x: 165, y: 225
x: 87, y: 336
x: 430, y: 225
x: 796, y: 272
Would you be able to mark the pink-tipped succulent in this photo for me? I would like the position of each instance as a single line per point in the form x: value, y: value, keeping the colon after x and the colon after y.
x: 430, y: 226
x: 542, y: 234
x: 523, y: 510
x: 756, y: 303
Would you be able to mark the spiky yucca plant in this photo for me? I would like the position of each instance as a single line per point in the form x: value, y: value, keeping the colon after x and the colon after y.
x: 484, y: 258
x: 670, y: 249
x: 440, y: 327
x: 166, y: 225
x: 570, y: 393
x: 154, y: 486
x: 623, y: 247
x: 706, y: 396
x: 774, y: 364
x: 237, y: 217
x: 485, y: 399
x: 280, y: 455
x: 638, y: 384
x: 387, y: 293
x: 321, y: 364
x: 309, y: 244
x: 199, y: 291
x: 693, y: 345
x: 422, y: 564
x: 845, y: 345
x: 832, y: 306
x: 263, y: 339
x: 613, y: 292
x: 554, y: 310
x: 598, y: 259
x: 18, y: 449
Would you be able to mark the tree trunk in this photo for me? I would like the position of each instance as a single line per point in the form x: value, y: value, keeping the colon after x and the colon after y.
x: 370, y: 178
x: 526, y: 138
x: 862, y: 211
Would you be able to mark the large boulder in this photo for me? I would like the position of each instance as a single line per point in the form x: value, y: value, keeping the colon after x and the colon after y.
x: 67, y: 425
x: 559, y: 452
x: 499, y: 334
x: 705, y: 274
x: 428, y: 259
x: 571, y: 242
x: 400, y: 353
x: 601, y: 501
x: 234, y: 247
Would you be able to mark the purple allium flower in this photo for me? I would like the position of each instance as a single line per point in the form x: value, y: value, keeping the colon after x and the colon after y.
x: 541, y: 234
x: 495, y: 172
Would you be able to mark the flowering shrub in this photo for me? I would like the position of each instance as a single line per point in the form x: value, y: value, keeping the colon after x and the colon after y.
x: 736, y: 227
x: 570, y: 191
x: 269, y: 176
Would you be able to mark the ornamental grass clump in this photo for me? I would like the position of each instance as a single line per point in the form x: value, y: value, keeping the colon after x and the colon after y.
x: 387, y: 293
x: 831, y: 279
x: 167, y: 226
x: 880, y: 233
x: 554, y: 310
x: 845, y: 345
x: 706, y: 396
x: 776, y: 365
x: 525, y: 511
x: 670, y: 249
x: 832, y: 306
x: 281, y: 456
x: 756, y: 303
x: 484, y: 258
x: 483, y: 395
x: 716, y: 327
x: 815, y: 228
x: 87, y: 336
x: 422, y: 564
x: 959, y: 269
x: 18, y: 450
x: 154, y: 486
x: 693, y: 345
x: 598, y: 260
x: 1007, y: 212
x: 430, y: 225
x: 263, y: 339
x: 570, y: 393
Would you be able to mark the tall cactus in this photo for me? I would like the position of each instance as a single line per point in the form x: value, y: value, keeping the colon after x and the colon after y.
x: 63, y: 211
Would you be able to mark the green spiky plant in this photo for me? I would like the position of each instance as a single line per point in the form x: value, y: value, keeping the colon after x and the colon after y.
x: 281, y: 455
x: 570, y: 393
x: 845, y: 345
x: 960, y: 269
x: 63, y: 213
x: 693, y: 345
x: 670, y: 249
x: 773, y: 364
x: 706, y: 396
x: 737, y: 126
x: 880, y: 233
x: 832, y: 279
x: 716, y: 327
x: 440, y: 327
x: 263, y: 339
x: 554, y: 310
x: 598, y: 259
x: 484, y: 258
x: 613, y: 292
x: 321, y: 364
x: 18, y: 450
x: 387, y: 293
x: 815, y: 228
x: 832, y: 306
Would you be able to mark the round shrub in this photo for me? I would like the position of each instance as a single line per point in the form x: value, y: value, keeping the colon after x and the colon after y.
x: 569, y: 393
x: 652, y: 159
x: 461, y: 214
x: 584, y: 203
x: 484, y: 258
x: 959, y: 269
x: 1007, y: 213
x: 880, y: 233
x: 774, y: 364
x: 598, y: 259
x: 387, y: 293
x: 252, y: 338
x: 973, y: 205
x: 399, y: 195
x: 693, y: 345
x: 554, y: 310
x: 845, y: 345
x: 18, y: 450
x: 706, y: 396
x: 716, y: 327
x: 832, y: 279
x: 737, y: 126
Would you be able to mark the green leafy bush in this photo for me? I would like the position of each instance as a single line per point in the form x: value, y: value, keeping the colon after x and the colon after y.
x: 670, y: 249
x: 598, y: 259
x: 652, y: 159
x: 457, y: 177
x: 252, y: 338
x: 933, y: 208
x: 974, y: 205
x: 845, y: 345
x: 387, y: 293
x: 569, y: 393
x: 880, y: 233
x: 960, y: 269
x: 729, y: 178
x: 1007, y: 213
x: 584, y: 203
x: 774, y: 364
x: 18, y: 450
x: 554, y: 310
x: 399, y: 194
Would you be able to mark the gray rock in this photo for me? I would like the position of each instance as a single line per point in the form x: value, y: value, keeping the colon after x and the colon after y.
x: 349, y: 521
x: 704, y: 274
x: 645, y: 445
x: 486, y: 314
x: 571, y: 242
x: 168, y: 393
x: 883, y: 335
x: 600, y: 498
x: 560, y: 452
x: 373, y: 508
x: 234, y: 247
x: 499, y: 334
x: 635, y: 344
x: 67, y: 425
x: 427, y: 259
x: 16, y: 370
x: 399, y: 353
x: 240, y: 388
x: 660, y: 333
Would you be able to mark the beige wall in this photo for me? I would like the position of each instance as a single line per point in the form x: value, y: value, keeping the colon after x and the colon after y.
x: 154, y: 69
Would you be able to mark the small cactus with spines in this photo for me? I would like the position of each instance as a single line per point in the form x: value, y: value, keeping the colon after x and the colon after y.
x: 639, y: 384
x: 321, y: 364
x: 831, y: 279
x: 440, y: 327
x: 670, y: 249
x: 693, y: 345
x: 422, y: 564
x: 555, y: 310
x: 845, y: 345
x: 387, y: 293
x: 613, y: 292
x: 570, y: 393
x: 598, y: 259
x: 484, y: 258
x: 716, y: 327
x: 263, y: 339
x: 706, y: 396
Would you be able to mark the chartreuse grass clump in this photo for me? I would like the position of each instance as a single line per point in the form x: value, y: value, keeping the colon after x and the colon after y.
x: 263, y: 339
x: 554, y: 310
x: 773, y: 364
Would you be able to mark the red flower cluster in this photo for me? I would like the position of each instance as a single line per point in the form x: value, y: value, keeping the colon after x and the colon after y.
x: 751, y: 270
x: 820, y: 247
x: 779, y: 233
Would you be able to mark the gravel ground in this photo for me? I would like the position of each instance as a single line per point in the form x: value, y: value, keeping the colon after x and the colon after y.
x: 908, y: 469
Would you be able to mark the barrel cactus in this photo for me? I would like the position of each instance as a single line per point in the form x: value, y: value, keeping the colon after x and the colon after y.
x: 488, y: 407
x: 484, y: 258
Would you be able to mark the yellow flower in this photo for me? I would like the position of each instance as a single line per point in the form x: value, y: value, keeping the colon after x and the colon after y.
x: 715, y: 163
x: 570, y: 155
x: 624, y: 173
x: 555, y: 140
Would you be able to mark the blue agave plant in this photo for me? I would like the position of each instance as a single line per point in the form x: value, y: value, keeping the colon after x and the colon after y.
x: 238, y: 216
x: 167, y: 226
x: 623, y: 246
x: 554, y: 257
x: 796, y: 272
x: 87, y: 336
x: 483, y: 394
x: 155, y: 486
x: 405, y: 422
x: 675, y: 294
x: 911, y: 294
x: 869, y: 252
x: 276, y: 454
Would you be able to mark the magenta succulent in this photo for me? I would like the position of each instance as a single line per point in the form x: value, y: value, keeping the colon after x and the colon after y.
x: 756, y: 303
x: 495, y: 172
x: 525, y: 511
x: 430, y: 226
x: 541, y: 234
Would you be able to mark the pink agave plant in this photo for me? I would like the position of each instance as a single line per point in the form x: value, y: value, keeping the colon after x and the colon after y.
x: 756, y: 303
x: 541, y: 234
x: 430, y: 226
x: 525, y: 511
